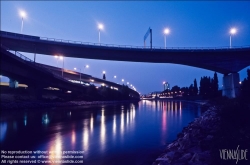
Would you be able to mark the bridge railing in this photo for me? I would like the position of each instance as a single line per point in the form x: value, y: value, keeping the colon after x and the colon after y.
x: 31, y: 62
x: 4, y: 33
x: 115, y: 45
x: 140, y: 47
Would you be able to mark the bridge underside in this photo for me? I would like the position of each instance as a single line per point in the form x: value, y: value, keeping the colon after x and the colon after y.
x: 223, y: 61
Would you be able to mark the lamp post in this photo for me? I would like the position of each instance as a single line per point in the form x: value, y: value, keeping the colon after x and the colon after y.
x: 104, y: 76
x: 232, y: 32
x: 56, y: 60
x: 166, y: 32
x: 86, y: 66
x: 79, y: 74
x: 122, y: 81
x: 61, y: 58
x: 23, y: 15
x: 100, y: 27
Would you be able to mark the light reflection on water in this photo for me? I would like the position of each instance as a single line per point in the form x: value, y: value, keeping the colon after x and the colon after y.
x: 106, y: 134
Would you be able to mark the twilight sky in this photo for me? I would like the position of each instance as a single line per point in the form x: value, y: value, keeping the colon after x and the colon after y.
x: 191, y: 24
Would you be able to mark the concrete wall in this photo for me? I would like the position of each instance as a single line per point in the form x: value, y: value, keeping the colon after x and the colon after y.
x: 231, y: 86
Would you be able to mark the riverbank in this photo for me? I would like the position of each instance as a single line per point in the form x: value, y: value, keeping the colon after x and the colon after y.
x: 223, y: 125
x: 17, y: 102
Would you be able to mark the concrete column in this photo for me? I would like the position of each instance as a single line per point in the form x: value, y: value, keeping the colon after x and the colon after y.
x: 13, y: 83
x: 231, y: 86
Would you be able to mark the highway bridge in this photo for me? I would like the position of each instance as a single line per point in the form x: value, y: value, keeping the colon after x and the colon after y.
x: 222, y: 60
x: 38, y: 76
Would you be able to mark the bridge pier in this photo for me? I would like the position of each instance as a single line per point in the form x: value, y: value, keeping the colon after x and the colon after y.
x: 13, y: 83
x: 231, y: 86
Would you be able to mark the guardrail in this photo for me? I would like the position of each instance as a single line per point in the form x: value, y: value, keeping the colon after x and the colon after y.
x: 118, y: 46
x: 141, y: 47
x: 31, y: 62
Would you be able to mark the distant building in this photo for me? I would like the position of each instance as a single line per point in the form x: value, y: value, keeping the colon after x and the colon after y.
x: 166, y: 85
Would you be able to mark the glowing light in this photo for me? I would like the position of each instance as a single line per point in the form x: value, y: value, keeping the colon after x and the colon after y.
x: 87, y: 66
x: 74, y: 68
x: 22, y: 14
x: 233, y: 30
x: 100, y: 26
x: 103, y: 72
x: 114, y: 76
x: 166, y: 31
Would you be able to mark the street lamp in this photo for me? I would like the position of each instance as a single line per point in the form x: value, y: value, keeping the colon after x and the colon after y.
x: 104, y: 76
x: 232, y: 32
x: 166, y: 32
x: 61, y: 58
x: 23, y: 15
x: 80, y: 74
x: 100, y: 27
x: 56, y: 60
x: 86, y: 66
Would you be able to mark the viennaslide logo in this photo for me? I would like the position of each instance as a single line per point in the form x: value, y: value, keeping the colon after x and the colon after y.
x: 234, y: 154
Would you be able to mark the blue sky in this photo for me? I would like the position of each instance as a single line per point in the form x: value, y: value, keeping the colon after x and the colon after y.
x: 191, y: 24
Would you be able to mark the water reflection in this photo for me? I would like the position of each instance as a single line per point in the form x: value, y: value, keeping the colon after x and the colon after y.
x: 85, y: 139
x: 103, y: 130
x: 45, y: 119
x: 3, y: 129
x: 73, y: 138
x: 114, y: 126
x: 103, y: 133
x: 91, y: 122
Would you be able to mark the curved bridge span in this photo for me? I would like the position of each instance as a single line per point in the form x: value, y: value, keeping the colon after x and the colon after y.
x: 222, y: 60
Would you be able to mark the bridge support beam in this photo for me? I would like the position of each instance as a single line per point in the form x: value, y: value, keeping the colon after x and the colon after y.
x: 13, y: 83
x: 231, y: 86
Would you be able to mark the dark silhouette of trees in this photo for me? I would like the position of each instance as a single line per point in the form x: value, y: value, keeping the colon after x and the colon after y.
x: 175, y: 90
x: 195, y: 88
x: 191, y: 90
x: 185, y: 91
x: 209, y: 87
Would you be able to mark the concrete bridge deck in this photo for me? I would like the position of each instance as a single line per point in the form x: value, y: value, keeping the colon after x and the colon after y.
x: 222, y: 60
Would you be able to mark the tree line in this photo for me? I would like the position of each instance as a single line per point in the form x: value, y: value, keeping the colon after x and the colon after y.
x: 208, y: 88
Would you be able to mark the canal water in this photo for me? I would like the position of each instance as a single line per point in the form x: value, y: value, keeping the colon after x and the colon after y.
x: 121, y: 134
